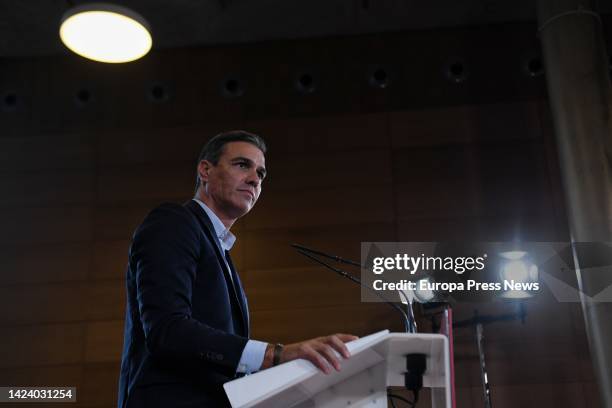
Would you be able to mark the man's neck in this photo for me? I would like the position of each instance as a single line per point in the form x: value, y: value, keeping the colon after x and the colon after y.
x: 227, y: 221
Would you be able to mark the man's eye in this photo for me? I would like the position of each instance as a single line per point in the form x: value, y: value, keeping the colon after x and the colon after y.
x: 242, y: 165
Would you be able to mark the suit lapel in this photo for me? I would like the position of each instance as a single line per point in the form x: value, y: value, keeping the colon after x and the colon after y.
x: 236, y: 287
x: 241, y: 295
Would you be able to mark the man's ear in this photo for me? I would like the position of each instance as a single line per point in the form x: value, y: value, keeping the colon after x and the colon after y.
x: 204, y: 168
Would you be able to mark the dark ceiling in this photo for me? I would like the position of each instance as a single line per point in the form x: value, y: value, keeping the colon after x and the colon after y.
x: 30, y: 27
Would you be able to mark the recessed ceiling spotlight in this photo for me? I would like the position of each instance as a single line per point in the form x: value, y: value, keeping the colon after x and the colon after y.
x: 9, y: 101
x: 379, y: 78
x: 105, y: 33
x: 305, y: 83
x: 233, y: 88
x: 533, y: 66
x: 456, y: 71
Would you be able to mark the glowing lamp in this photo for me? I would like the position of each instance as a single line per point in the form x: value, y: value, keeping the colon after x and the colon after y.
x: 105, y: 33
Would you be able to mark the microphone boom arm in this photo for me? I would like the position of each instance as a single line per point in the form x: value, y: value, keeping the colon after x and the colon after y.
x: 302, y: 250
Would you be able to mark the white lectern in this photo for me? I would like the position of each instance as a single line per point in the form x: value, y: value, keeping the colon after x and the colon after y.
x: 377, y: 361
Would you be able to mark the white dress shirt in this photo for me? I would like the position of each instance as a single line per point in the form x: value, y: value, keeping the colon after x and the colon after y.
x: 254, y: 351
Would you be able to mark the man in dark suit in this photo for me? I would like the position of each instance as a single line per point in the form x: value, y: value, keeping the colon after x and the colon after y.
x: 187, y: 323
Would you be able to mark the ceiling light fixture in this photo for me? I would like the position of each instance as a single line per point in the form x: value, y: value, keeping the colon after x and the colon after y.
x: 105, y: 33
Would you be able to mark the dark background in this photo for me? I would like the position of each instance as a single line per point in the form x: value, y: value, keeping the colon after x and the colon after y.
x: 458, y: 145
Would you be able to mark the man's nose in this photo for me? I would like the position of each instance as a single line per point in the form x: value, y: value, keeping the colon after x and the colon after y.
x: 253, y: 179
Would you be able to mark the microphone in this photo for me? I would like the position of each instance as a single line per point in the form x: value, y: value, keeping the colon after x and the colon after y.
x: 333, y: 257
x: 408, y: 326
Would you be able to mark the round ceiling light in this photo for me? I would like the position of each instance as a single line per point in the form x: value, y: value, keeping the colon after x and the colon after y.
x: 105, y: 33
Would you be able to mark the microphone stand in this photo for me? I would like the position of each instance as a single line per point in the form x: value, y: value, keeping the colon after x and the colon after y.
x: 415, y: 362
x: 409, y: 321
x: 479, y: 321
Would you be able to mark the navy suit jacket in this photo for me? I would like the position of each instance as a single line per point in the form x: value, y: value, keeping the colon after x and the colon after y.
x: 186, y: 320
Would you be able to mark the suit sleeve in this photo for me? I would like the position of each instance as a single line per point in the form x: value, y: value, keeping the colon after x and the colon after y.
x: 165, y: 253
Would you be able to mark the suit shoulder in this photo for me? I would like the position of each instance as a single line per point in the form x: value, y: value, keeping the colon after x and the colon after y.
x: 168, y: 210
x: 168, y: 216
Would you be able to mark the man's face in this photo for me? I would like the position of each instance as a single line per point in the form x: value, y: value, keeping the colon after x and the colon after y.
x: 233, y: 185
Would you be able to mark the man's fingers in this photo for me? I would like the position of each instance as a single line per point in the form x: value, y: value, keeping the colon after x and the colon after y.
x: 328, y: 353
x: 318, y: 360
x: 321, y: 352
x: 346, y: 337
x: 339, y: 346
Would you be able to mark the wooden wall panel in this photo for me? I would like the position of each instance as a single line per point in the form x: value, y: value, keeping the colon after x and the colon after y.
x: 49, y: 303
x: 20, y: 83
x: 105, y: 300
x: 52, y: 188
x: 424, y: 199
x: 324, y: 133
x: 591, y: 394
x: 41, y: 345
x: 323, y: 169
x: 557, y: 366
x: 541, y: 320
x: 34, y: 224
x: 427, y: 229
x: 110, y: 259
x: 463, y: 397
x: 449, y: 163
x: 100, y: 385
x: 131, y: 147
x: 210, y: 71
x: 145, y: 183
x: 118, y: 222
x: 535, y: 227
x: 465, y: 124
x: 39, y: 263
x: 53, y: 84
x: 271, y: 248
x: 293, y: 324
x: 313, y: 287
x: 31, y: 150
x: 269, y: 90
x: 54, y: 376
x: 542, y: 396
x: 104, y: 342
x: 334, y: 206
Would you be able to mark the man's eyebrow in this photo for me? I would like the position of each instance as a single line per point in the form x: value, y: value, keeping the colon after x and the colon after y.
x: 251, y: 162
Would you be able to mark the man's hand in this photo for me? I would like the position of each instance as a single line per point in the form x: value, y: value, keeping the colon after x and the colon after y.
x: 319, y: 351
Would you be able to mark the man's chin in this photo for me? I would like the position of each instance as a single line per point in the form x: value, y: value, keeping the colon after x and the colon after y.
x: 242, y: 210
